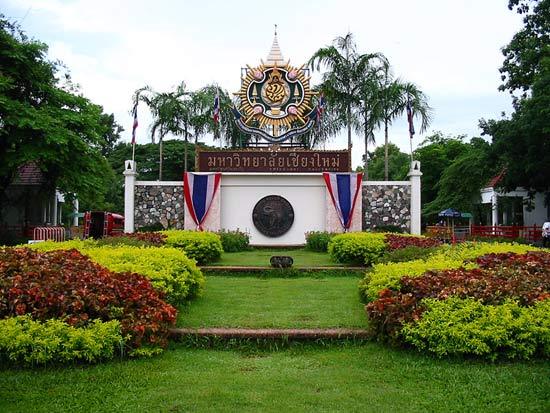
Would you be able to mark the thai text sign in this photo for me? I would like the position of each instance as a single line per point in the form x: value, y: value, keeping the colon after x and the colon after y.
x: 273, y: 161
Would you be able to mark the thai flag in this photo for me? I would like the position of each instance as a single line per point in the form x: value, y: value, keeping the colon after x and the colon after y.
x: 199, y: 190
x: 135, y: 125
x: 343, y: 190
x: 217, y: 107
x: 410, y: 118
x: 320, y: 107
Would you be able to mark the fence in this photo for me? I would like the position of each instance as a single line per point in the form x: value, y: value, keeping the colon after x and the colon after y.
x: 531, y: 234
x: 49, y: 233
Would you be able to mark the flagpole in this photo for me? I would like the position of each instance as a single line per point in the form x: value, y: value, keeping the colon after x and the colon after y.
x: 134, y: 127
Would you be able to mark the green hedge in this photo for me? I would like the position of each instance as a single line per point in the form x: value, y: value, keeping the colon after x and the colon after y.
x: 318, y: 240
x: 447, y: 257
x: 234, y: 241
x: 54, y: 341
x: 169, y: 269
x: 360, y: 248
x: 465, y: 326
x: 204, y: 247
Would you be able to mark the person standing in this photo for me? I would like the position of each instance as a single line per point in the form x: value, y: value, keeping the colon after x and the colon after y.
x: 546, y: 234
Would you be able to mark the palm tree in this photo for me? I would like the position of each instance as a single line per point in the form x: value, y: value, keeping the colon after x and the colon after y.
x: 172, y: 113
x: 350, y: 85
x: 369, y: 69
x: 393, y: 95
x: 338, y: 86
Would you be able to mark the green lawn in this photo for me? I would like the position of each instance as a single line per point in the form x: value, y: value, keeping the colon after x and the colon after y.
x: 367, y: 378
x: 276, y: 302
x: 260, y: 258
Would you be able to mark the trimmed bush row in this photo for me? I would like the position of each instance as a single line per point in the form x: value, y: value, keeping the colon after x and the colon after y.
x: 234, y: 241
x: 496, y: 309
x: 366, y: 248
x: 204, y: 247
x: 318, y: 240
x: 66, y: 285
x: 169, y: 269
x: 360, y: 248
x: 30, y: 342
x: 388, y: 275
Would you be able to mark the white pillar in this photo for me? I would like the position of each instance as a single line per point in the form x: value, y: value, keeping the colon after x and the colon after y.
x: 494, y: 208
x: 129, y: 186
x: 54, y: 211
x: 75, y: 211
x: 414, y: 176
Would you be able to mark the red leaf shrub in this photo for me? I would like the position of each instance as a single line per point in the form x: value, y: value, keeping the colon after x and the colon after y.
x: 152, y: 238
x: 395, y: 242
x: 67, y: 285
x: 524, y: 277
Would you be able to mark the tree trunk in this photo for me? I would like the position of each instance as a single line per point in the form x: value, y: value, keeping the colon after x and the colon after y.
x: 160, y: 158
x: 185, y: 150
x: 386, y: 149
x: 348, y: 110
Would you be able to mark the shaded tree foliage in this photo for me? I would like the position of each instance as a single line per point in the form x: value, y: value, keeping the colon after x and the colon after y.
x: 43, y: 120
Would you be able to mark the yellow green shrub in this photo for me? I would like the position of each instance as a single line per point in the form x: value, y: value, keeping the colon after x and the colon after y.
x: 204, y: 247
x: 169, y: 269
x: 361, y: 248
x: 448, y: 257
x: 26, y: 341
x: 465, y: 326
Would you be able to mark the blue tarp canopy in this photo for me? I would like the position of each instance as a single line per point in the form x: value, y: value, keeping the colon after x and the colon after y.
x: 450, y: 212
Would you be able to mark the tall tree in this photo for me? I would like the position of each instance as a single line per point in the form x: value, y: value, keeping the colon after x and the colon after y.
x: 399, y: 163
x: 348, y: 84
x: 172, y: 113
x: 392, y: 98
x: 338, y: 86
x: 521, y: 143
x: 46, y: 121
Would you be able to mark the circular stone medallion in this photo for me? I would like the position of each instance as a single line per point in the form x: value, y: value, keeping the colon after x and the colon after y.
x: 273, y: 215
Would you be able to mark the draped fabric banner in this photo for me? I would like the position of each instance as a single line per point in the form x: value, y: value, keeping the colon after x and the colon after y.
x: 199, y: 190
x: 343, y: 190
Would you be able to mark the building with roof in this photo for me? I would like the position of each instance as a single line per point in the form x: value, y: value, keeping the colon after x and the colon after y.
x: 514, y: 207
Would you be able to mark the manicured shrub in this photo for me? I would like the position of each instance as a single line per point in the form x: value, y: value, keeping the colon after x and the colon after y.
x: 318, y: 240
x: 157, y: 226
x: 521, y: 279
x: 234, y: 241
x: 69, y: 286
x: 204, y: 247
x: 361, y: 248
x: 465, y: 326
x: 447, y: 257
x: 136, y: 239
x: 169, y: 269
x: 410, y: 253
x: 395, y: 242
x: 26, y: 341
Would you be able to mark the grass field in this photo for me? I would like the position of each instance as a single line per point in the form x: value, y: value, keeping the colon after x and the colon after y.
x: 366, y: 378
x: 276, y: 302
x: 260, y: 258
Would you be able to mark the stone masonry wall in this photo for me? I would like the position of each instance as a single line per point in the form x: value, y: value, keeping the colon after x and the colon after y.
x: 386, y: 205
x: 159, y: 203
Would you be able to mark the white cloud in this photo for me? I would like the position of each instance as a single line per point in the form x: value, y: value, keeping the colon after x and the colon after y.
x: 451, y: 50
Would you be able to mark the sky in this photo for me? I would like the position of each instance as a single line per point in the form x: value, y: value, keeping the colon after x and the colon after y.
x: 451, y: 49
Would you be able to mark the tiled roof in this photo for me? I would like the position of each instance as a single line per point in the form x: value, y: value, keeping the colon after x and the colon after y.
x: 496, y: 179
x: 29, y: 174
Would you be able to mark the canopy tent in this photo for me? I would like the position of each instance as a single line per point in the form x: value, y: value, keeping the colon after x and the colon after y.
x: 450, y: 213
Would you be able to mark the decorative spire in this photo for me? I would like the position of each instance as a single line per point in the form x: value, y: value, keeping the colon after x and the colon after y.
x: 275, y: 57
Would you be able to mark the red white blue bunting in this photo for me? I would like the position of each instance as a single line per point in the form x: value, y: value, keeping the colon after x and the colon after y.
x: 343, y: 190
x: 199, y: 190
